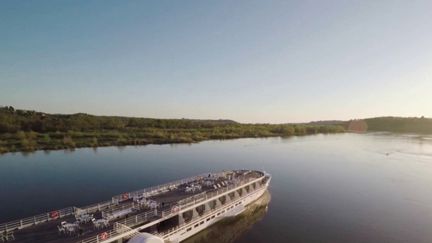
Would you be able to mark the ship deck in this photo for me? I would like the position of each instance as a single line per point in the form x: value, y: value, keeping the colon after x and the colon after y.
x: 132, y: 207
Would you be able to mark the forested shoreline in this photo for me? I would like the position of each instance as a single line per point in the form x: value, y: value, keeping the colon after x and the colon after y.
x: 23, y: 130
x: 417, y: 125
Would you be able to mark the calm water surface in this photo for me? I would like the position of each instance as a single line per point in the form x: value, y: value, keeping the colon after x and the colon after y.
x: 325, y: 188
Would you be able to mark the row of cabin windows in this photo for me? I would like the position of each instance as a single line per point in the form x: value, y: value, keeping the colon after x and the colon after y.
x: 212, y: 217
x: 202, y: 222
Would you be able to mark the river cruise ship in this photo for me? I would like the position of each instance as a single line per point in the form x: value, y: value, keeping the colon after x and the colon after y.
x: 168, y: 213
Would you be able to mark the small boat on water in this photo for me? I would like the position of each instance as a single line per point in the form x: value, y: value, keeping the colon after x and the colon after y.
x: 166, y: 213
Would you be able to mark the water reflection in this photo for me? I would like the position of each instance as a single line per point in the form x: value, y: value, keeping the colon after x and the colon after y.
x: 326, y: 188
x: 231, y: 229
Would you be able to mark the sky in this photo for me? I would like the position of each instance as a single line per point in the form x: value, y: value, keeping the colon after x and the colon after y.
x: 250, y: 61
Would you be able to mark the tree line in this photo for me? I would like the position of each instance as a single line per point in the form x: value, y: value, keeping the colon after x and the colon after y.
x: 418, y: 125
x: 23, y: 130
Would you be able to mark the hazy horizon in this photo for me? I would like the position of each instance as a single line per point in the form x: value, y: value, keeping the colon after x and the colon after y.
x: 222, y: 118
x: 248, y: 61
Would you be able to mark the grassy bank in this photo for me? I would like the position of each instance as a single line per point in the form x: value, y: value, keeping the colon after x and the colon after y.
x: 22, y: 130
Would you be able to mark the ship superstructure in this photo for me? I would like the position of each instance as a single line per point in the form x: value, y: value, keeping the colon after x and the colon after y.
x: 166, y: 213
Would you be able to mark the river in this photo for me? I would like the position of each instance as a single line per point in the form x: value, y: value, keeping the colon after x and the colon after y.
x: 325, y: 188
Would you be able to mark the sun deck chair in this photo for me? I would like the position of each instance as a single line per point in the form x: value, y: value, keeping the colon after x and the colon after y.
x: 72, y: 231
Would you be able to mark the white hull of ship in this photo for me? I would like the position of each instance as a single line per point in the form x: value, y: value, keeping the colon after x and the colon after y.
x: 227, y: 210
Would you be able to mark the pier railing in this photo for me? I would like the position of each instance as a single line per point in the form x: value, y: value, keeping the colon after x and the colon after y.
x: 41, y: 218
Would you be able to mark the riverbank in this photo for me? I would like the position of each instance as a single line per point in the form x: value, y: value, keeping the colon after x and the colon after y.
x: 27, y: 131
x: 32, y: 141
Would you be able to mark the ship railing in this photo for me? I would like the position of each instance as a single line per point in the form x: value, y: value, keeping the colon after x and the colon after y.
x: 141, y: 218
x: 117, y: 207
x: 106, y: 235
x: 95, y: 207
x: 196, y: 199
x: 121, y: 226
x: 150, y: 191
x: 166, y: 213
x: 37, y: 219
x: 147, y: 192
x: 53, y: 215
x: 169, y: 231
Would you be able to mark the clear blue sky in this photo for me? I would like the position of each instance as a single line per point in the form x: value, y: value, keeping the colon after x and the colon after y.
x: 251, y: 61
